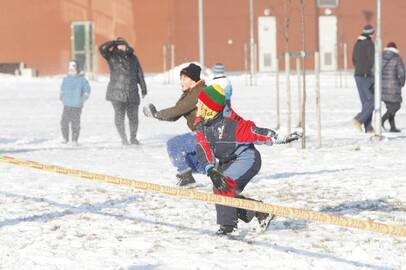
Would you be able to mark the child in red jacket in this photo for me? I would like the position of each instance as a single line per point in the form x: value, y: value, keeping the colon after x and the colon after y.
x: 225, y: 147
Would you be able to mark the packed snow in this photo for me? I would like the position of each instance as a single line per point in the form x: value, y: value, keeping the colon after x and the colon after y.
x: 50, y: 221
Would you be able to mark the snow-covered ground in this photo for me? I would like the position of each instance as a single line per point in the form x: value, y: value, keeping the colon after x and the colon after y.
x: 49, y: 221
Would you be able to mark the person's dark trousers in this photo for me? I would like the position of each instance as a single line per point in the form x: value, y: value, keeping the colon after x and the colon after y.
x: 242, y: 170
x: 367, y: 100
x: 120, y: 110
x: 71, y: 116
x: 391, y: 110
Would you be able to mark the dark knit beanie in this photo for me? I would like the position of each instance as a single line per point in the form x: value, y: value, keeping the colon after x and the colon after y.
x: 368, y: 30
x: 213, y: 97
x: 391, y: 45
x: 192, y: 71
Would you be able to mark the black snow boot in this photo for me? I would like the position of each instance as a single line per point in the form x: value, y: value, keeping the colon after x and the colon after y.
x: 185, y: 178
x: 392, y: 125
x: 226, y: 229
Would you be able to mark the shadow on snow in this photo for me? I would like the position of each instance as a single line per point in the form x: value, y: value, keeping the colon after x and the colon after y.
x: 98, y: 207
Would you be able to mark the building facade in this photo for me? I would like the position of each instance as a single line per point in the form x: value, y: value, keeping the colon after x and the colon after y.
x: 46, y: 34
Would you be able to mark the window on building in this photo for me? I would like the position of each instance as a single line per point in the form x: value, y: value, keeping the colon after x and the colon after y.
x: 327, y: 3
x: 82, y: 45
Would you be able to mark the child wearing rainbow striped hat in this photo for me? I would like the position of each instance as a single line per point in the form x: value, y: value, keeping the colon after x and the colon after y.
x: 225, y: 147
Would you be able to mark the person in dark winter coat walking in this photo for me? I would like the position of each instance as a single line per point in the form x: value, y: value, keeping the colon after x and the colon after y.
x: 181, y: 148
x: 125, y: 76
x: 363, y: 60
x: 75, y: 90
x: 224, y: 136
x: 393, y: 79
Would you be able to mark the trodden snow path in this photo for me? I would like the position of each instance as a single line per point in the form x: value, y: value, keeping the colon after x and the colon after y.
x: 50, y: 221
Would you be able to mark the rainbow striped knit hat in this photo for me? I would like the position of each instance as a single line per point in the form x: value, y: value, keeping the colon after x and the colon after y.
x: 213, y: 97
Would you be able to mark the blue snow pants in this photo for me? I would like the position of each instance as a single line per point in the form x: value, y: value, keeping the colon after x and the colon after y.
x: 242, y: 170
x: 182, y: 153
x: 367, y: 100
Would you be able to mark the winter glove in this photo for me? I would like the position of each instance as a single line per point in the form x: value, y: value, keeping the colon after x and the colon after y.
x: 218, y: 179
x: 278, y: 139
x: 149, y: 110
x: 293, y: 137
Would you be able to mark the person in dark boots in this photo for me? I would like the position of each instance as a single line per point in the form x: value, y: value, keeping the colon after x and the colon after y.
x: 75, y: 90
x: 363, y: 60
x: 125, y: 76
x: 393, y: 79
x: 223, y: 135
x: 181, y: 148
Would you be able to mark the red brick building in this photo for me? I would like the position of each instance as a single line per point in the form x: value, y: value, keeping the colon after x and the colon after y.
x: 45, y: 34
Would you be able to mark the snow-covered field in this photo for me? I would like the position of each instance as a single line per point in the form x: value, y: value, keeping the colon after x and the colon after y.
x: 49, y: 221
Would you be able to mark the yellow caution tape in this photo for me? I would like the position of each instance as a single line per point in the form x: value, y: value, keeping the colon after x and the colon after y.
x: 282, y: 211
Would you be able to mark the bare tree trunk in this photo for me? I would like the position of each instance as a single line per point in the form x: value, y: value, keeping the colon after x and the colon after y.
x: 299, y: 91
x: 287, y: 62
x: 288, y: 96
x: 318, y: 111
x: 278, y: 113
x: 304, y: 75
x: 287, y: 22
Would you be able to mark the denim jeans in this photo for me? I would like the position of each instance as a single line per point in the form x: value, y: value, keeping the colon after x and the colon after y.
x: 367, y: 100
x: 181, y: 150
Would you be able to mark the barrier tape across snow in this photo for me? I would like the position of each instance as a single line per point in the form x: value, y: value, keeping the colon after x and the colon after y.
x: 282, y: 211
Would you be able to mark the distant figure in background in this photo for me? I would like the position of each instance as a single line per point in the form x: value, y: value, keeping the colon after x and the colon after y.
x: 221, y: 79
x: 125, y: 76
x: 75, y: 90
x: 393, y: 79
x: 363, y: 60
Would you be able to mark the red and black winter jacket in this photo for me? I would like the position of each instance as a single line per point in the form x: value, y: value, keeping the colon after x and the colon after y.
x: 225, y: 137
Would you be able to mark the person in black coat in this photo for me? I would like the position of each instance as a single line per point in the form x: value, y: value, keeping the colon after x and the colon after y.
x: 393, y: 79
x: 125, y: 76
x: 363, y: 60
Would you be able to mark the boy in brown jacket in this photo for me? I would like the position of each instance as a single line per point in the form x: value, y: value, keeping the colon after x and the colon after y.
x: 181, y: 148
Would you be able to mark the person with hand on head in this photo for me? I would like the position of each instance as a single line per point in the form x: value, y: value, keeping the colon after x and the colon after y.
x: 125, y: 76
x: 181, y: 148
x: 75, y: 90
x: 225, y: 147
